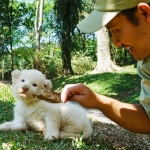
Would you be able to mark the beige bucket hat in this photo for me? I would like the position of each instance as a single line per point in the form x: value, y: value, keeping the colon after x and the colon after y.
x: 105, y: 11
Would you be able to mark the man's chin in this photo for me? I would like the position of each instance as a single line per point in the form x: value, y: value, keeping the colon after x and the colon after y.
x: 138, y: 58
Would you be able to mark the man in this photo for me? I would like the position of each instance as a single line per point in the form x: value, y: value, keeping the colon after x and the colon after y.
x: 128, y: 21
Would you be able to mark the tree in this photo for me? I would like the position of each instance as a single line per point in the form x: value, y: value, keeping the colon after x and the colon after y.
x: 38, y: 22
x: 104, y: 62
x: 67, y: 17
x: 13, y: 17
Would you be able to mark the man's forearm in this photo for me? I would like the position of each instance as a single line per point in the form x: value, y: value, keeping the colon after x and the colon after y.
x: 130, y: 116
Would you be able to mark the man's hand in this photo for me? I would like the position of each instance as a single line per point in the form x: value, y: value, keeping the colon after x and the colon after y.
x: 79, y: 93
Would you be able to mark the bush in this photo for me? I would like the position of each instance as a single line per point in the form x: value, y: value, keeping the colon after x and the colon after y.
x: 82, y: 64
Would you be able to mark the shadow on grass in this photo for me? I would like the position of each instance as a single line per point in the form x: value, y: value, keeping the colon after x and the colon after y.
x: 117, y: 85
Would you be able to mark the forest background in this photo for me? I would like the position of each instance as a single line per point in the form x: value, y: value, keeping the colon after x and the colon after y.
x: 45, y: 37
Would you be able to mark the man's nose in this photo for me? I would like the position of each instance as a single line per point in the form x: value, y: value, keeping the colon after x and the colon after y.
x: 117, y: 43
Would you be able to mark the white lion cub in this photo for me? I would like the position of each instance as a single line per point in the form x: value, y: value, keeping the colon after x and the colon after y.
x: 53, y: 119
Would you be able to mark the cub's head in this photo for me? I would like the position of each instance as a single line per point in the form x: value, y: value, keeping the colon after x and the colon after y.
x: 26, y: 84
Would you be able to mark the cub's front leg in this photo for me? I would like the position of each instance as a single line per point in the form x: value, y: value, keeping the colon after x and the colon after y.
x: 14, y: 125
x: 17, y: 124
x: 52, y: 127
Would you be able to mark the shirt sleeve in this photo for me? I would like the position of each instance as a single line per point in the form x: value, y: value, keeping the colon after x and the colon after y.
x: 143, y: 69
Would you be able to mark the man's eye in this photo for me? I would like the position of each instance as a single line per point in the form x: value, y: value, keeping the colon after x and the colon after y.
x: 114, y: 31
x: 22, y: 80
x: 34, y: 85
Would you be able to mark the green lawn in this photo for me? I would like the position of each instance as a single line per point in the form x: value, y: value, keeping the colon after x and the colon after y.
x: 123, y: 85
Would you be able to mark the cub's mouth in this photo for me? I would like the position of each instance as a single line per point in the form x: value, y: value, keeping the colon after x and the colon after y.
x: 23, y: 95
x: 22, y: 92
x: 35, y: 96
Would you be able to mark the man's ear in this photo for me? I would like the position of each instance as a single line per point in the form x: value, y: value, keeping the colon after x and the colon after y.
x: 15, y: 75
x: 144, y: 8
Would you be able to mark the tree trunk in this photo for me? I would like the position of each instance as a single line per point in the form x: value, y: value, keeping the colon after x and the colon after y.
x: 3, y: 67
x: 10, y: 33
x: 104, y: 62
x: 66, y: 41
x: 66, y: 58
x: 38, y: 27
x: 38, y: 22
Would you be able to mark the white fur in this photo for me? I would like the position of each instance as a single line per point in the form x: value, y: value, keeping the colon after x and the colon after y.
x: 58, y: 120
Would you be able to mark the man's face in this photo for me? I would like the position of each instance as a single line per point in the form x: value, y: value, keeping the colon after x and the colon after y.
x: 135, y: 38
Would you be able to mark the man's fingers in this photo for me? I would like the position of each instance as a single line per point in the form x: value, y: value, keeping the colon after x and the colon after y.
x: 69, y: 91
x: 66, y: 93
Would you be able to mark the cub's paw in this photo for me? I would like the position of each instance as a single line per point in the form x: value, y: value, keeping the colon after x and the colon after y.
x: 50, y: 137
x: 5, y: 127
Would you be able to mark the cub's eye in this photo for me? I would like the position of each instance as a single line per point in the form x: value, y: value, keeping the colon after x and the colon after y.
x: 45, y: 86
x: 22, y: 80
x: 34, y: 85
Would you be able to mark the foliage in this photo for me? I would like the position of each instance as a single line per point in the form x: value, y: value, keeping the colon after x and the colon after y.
x: 59, y: 27
x: 47, y: 60
x: 23, y: 58
x: 81, y: 63
x: 86, y: 45
x: 5, y: 93
x: 121, y: 56
x: 13, y: 17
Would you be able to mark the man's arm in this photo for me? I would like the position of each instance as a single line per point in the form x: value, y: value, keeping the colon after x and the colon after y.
x: 130, y: 116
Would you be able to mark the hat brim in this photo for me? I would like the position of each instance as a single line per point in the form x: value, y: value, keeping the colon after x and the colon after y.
x: 95, y: 21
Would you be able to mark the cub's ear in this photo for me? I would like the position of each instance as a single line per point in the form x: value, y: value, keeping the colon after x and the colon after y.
x: 47, y: 84
x: 15, y: 74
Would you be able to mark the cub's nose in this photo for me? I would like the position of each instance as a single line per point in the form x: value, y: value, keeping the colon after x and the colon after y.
x: 25, y: 89
x: 22, y: 89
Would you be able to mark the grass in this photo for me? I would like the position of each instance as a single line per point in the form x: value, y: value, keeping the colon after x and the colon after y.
x: 123, y: 85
